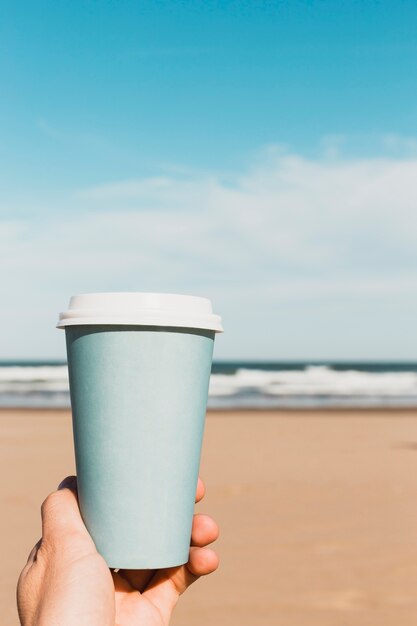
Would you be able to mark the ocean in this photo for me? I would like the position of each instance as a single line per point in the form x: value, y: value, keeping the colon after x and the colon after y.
x: 243, y: 384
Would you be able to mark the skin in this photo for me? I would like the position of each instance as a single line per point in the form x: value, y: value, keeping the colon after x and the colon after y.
x: 65, y: 582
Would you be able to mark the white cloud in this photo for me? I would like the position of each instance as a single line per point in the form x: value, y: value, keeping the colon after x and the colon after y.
x: 287, y: 230
x: 398, y: 143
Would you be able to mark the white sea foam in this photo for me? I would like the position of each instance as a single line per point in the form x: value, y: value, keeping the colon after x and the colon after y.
x: 315, y: 385
x: 27, y: 379
x: 33, y: 372
x: 315, y: 381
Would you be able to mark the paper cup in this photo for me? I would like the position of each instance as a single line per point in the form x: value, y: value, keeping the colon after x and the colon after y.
x: 138, y: 395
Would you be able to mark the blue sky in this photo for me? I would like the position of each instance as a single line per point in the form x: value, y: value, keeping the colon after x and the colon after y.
x: 261, y: 153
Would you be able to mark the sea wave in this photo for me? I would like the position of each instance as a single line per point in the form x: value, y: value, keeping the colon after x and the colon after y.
x: 318, y: 380
x: 274, y: 386
x: 27, y: 379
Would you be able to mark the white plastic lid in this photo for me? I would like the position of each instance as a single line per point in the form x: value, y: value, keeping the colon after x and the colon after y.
x: 140, y: 309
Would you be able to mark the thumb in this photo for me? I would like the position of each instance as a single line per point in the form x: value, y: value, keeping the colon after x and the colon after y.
x: 61, y: 514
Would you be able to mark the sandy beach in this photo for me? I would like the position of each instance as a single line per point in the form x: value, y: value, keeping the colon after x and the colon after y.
x: 318, y: 514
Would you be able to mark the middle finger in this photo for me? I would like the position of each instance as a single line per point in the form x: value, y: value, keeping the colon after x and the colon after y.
x: 204, y: 530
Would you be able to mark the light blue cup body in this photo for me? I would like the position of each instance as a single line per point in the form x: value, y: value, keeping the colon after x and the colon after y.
x: 138, y: 396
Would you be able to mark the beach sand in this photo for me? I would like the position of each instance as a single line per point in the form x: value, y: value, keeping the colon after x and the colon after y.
x: 318, y: 514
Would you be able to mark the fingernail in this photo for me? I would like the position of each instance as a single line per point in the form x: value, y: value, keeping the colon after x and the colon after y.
x: 68, y: 482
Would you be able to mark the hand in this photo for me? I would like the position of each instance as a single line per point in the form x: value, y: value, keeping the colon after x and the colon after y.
x: 65, y: 581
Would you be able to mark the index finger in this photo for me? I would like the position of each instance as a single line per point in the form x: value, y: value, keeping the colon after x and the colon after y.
x: 201, y: 490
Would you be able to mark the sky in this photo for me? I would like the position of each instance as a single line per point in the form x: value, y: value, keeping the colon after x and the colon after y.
x: 261, y: 154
